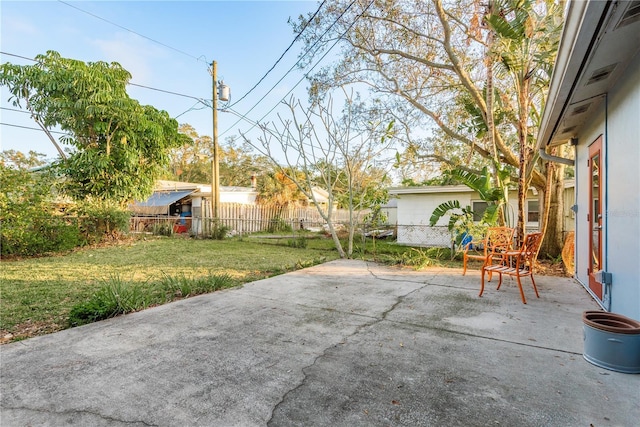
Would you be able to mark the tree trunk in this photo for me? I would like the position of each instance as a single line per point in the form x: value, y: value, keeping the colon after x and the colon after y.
x: 523, y: 107
x: 552, y: 210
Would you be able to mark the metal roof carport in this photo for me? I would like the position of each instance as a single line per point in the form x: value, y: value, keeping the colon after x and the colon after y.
x: 159, y: 202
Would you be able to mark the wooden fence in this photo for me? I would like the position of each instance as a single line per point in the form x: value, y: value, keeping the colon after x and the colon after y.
x: 243, y: 219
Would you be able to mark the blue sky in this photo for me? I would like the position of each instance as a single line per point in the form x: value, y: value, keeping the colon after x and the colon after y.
x: 245, y: 38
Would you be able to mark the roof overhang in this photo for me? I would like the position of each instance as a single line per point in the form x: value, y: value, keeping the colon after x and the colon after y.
x: 599, y: 40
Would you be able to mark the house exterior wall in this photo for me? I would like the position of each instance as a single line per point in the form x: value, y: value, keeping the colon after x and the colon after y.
x: 246, y: 198
x: 413, y: 213
x: 618, y: 121
x: 415, y: 206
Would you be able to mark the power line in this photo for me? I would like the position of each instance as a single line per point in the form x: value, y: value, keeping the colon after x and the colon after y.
x: 192, y: 108
x: 18, y: 56
x: 15, y: 109
x: 300, y: 59
x: 283, y: 54
x: 202, y: 100
x: 133, y: 32
x: 311, y: 69
x: 31, y: 128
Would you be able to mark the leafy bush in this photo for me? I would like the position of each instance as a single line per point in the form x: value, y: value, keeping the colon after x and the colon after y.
x: 277, y: 225
x: 111, y: 300
x: 118, y: 297
x: 100, y: 219
x: 36, y: 220
x: 162, y: 229
x: 30, y: 224
x: 300, y: 242
x: 219, y: 231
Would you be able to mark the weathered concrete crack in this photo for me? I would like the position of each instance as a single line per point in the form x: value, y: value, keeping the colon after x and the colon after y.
x: 76, y: 411
x: 357, y: 329
x: 302, y: 383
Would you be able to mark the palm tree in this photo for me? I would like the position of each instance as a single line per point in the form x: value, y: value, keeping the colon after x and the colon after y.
x: 461, y: 218
x: 526, y: 37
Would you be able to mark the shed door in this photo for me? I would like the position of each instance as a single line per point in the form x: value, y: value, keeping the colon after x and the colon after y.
x: 595, y: 215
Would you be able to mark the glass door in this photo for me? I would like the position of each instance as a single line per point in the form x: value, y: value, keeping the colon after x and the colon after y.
x: 595, y: 216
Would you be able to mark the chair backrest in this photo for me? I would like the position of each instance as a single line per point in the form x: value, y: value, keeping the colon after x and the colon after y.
x: 530, y: 247
x: 499, y: 238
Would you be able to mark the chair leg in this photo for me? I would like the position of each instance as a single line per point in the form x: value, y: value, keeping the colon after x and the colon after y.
x: 535, y: 288
x: 464, y: 264
x: 481, y: 282
x: 499, y: 281
x: 524, y: 300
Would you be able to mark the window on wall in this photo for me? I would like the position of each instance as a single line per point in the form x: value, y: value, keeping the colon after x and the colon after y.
x: 478, y: 209
x: 533, y: 211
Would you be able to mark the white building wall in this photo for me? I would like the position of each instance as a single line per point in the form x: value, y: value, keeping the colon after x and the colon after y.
x: 414, y: 212
x: 415, y: 209
x: 246, y: 198
x: 623, y: 193
x: 619, y: 123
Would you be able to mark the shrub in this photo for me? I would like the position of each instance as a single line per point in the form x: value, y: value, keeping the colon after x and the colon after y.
x: 100, y: 219
x: 117, y: 297
x: 111, y: 300
x: 219, y: 231
x: 162, y: 229
x: 29, y: 221
x: 300, y: 242
x: 278, y: 225
x: 182, y: 286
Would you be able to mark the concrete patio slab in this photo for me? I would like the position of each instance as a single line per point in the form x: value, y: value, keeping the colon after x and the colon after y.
x: 345, y: 343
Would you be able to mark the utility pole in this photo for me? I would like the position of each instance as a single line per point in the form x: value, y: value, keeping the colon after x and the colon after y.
x: 215, y: 160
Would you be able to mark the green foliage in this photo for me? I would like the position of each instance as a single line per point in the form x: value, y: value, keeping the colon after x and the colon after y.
x: 101, y: 218
x: 217, y: 231
x: 162, y: 229
x: 30, y: 223
x: 181, y: 286
x: 114, y: 298
x: 18, y: 160
x: 35, y: 220
x: 461, y: 219
x: 300, y: 242
x: 117, y: 297
x: 119, y: 146
x: 278, y: 225
x: 417, y: 258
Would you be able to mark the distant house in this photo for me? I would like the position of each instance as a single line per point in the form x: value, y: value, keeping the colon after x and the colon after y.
x: 174, y: 197
x: 189, y: 200
x: 416, y: 204
x: 594, y: 105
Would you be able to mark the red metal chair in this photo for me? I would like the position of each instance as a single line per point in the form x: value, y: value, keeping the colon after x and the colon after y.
x: 518, y: 263
x: 496, y: 240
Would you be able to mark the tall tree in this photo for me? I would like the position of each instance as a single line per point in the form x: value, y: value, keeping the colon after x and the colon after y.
x: 316, y: 143
x: 118, y: 147
x: 239, y: 163
x: 428, y: 61
x: 19, y: 160
x: 191, y: 162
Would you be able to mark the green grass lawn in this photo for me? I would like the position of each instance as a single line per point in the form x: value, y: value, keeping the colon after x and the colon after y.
x: 37, y: 294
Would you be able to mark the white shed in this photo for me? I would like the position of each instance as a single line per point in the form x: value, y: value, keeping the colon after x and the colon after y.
x: 416, y: 204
